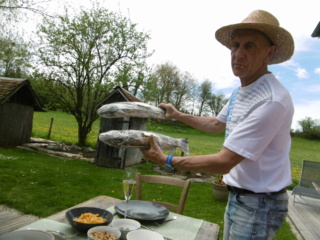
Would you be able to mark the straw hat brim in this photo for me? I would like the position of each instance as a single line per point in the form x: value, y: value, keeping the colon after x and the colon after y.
x: 278, y: 35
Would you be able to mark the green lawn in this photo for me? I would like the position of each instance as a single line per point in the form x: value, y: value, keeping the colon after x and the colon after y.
x: 34, y: 183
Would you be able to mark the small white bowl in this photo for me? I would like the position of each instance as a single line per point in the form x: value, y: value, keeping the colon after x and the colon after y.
x: 125, y: 226
x: 144, y: 235
x: 107, y: 229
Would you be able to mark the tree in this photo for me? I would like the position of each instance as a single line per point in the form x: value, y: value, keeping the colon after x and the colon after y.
x: 10, y: 7
x: 307, y: 124
x: 131, y: 77
x: 168, y: 84
x: 149, y: 92
x: 14, y: 57
x: 167, y: 77
x: 205, y: 94
x: 216, y: 102
x: 80, y: 56
x: 183, y: 93
x: 193, y: 99
x: 310, y: 128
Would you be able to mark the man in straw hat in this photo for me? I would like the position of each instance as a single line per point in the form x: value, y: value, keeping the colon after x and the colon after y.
x: 257, y: 121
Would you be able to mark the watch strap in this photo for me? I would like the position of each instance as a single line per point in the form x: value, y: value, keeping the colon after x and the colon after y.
x: 168, y: 164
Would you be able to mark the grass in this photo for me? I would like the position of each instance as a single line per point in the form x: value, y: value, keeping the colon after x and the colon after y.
x: 64, y: 128
x: 38, y: 184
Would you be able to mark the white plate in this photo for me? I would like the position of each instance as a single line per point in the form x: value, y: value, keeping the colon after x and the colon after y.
x: 28, y: 235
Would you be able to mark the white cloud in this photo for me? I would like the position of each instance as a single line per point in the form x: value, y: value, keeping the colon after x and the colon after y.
x: 304, y: 43
x: 302, y: 73
x: 289, y: 64
x: 224, y: 82
x: 313, y: 89
x: 317, y: 70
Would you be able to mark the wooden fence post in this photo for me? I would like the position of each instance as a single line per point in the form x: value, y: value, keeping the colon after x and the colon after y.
x: 50, y: 128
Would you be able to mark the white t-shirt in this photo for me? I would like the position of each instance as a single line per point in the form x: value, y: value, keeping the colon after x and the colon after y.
x: 258, y: 124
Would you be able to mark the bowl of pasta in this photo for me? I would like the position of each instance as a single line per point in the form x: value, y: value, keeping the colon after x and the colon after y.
x: 84, y: 218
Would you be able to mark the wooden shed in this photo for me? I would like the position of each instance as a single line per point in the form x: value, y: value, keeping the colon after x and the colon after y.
x: 18, y: 101
x: 114, y: 157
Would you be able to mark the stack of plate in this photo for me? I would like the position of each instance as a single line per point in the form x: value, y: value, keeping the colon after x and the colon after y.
x: 142, y: 210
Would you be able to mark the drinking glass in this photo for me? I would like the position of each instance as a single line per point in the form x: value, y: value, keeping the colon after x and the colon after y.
x: 129, y: 183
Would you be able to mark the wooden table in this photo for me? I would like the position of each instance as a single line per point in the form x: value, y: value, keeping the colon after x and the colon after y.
x: 207, y: 231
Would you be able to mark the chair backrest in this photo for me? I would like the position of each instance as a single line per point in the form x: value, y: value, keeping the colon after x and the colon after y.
x: 310, y: 172
x: 165, y: 180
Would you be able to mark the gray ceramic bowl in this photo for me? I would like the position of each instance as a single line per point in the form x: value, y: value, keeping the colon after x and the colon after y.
x: 108, y: 229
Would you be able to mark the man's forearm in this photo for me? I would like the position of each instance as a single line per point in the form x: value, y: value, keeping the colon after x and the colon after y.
x: 205, y: 124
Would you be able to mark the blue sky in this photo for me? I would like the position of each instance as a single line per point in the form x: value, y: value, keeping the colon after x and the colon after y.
x: 301, y: 75
x: 182, y: 32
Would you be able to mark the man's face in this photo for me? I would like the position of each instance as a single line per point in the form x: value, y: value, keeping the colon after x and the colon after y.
x: 251, y: 52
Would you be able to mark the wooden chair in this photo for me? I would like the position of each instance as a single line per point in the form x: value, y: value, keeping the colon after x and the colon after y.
x: 165, y: 180
x: 310, y: 174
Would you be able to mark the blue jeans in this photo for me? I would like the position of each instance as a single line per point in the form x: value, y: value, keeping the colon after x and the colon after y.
x: 254, y: 216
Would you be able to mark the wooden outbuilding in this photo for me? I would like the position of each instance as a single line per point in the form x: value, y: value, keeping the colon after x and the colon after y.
x: 18, y: 101
x: 114, y: 157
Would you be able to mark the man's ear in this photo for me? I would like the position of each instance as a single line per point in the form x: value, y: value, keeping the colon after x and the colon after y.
x: 273, y: 51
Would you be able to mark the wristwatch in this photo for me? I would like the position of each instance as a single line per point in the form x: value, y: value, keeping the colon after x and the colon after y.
x: 168, y: 164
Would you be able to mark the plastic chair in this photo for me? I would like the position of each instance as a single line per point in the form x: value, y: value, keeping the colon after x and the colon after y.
x: 310, y: 174
x: 165, y: 180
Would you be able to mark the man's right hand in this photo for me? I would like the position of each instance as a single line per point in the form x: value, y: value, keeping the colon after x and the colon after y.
x: 171, y: 111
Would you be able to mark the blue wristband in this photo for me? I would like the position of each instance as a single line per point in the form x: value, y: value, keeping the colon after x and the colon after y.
x: 168, y: 164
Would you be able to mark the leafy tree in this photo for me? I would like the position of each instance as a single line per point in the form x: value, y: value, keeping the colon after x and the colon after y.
x: 310, y: 128
x: 216, y: 102
x: 167, y: 77
x: 40, y: 86
x: 168, y: 84
x: 183, y: 93
x: 205, y: 95
x: 10, y: 8
x: 131, y: 77
x: 194, y: 99
x: 149, y: 92
x: 307, y: 124
x: 14, y: 57
x: 79, y: 58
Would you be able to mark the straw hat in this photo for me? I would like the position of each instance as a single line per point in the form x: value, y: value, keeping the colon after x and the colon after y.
x: 266, y: 23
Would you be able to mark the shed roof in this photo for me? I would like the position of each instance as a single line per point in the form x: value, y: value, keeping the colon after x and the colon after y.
x: 124, y: 93
x: 18, y: 90
x: 316, y: 31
